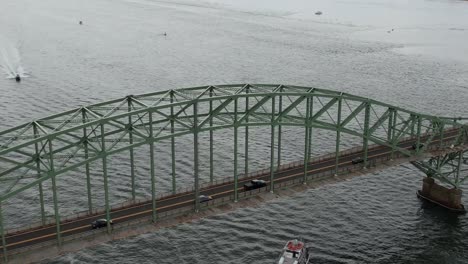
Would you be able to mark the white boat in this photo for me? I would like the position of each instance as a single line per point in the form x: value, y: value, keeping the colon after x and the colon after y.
x: 295, y: 252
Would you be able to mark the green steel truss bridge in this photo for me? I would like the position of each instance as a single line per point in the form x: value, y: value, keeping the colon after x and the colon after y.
x: 47, y: 148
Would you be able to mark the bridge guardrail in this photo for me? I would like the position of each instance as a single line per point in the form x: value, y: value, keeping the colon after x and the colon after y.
x: 218, y: 201
x: 51, y: 220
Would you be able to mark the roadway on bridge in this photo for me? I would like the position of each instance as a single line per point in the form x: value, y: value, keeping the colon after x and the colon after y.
x: 30, y: 237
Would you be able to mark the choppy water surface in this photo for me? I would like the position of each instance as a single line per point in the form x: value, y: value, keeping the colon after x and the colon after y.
x: 120, y: 49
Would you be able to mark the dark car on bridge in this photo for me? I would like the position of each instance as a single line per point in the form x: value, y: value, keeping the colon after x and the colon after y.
x: 100, y: 223
x: 357, y: 160
x: 204, y: 198
x: 415, y: 146
x: 254, y: 184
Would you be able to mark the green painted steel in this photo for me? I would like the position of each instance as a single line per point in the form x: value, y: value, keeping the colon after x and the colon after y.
x: 38, y: 164
x: 450, y: 169
x: 195, y: 156
x: 79, y: 139
x: 152, y: 170
x: 306, y: 139
x: 173, y: 154
x: 246, y: 140
x: 104, y: 175
x: 418, y: 135
x: 272, y: 145
x: 389, y: 128
x: 311, y: 109
x: 236, y: 128
x: 338, y: 135
x: 86, y: 155
x: 132, y: 158
x: 365, y: 139
x: 211, y: 140
x: 54, y: 194
x: 280, y: 110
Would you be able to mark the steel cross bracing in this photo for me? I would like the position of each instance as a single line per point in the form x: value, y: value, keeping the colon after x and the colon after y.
x: 44, y: 149
x: 450, y: 168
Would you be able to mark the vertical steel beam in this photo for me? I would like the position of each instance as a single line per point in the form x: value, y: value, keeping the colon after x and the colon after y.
x: 390, y: 138
x: 38, y: 166
x: 272, y: 145
x: 418, y: 134
x: 338, y: 135
x: 152, y: 171
x: 280, y: 109
x: 195, y: 155
x: 441, y: 131
x: 310, y: 125
x: 104, y: 174
x: 306, y: 139
x: 246, y: 163
x: 413, y: 123
x: 236, y: 127
x: 394, y: 139
x: 390, y: 123
x: 2, y: 231
x: 130, y: 139
x: 86, y: 153
x: 173, y: 172
x: 54, y: 193
x: 365, y: 140
x: 211, y: 138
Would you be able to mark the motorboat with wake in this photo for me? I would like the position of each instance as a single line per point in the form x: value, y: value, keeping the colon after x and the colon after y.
x: 294, y: 252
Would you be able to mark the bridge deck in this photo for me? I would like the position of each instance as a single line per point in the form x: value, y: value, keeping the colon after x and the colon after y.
x: 25, y: 238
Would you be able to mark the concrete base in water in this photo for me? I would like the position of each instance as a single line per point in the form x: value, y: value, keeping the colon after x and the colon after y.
x: 449, y: 198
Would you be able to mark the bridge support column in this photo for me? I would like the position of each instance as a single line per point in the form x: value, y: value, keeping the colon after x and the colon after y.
x: 391, y: 131
x: 365, y: 142
x: 440, y: 194
x: 195, y: 156
x: 338, y: 134
x: 311, y: 114
x: 280, y: 110
x: 418, y: 135
x: 88, y: 175
x: 272, y: 146
x: 104, y: 174
x: 153, y: 180
x: 211, y: 139
x: 38, y: 166
x: 246, y: 141
x: 130, y: 139
x: 173, y: 158
x: 307, y: 139
x: 236, y: 128
x: 54, y: 194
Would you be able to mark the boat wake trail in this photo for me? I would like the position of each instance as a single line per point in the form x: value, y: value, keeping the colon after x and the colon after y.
x: 10, y: 61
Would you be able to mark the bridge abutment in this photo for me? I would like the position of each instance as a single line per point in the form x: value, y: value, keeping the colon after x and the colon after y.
x: 448, y: 197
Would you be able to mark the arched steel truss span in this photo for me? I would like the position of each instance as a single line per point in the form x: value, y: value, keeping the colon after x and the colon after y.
x: 48, y: 147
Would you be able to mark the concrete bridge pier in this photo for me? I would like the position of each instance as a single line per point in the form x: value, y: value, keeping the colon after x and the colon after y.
x: 448, y: 197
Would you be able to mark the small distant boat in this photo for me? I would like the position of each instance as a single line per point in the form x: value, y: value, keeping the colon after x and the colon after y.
x: 295, y: 252
x: 318, y: 13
